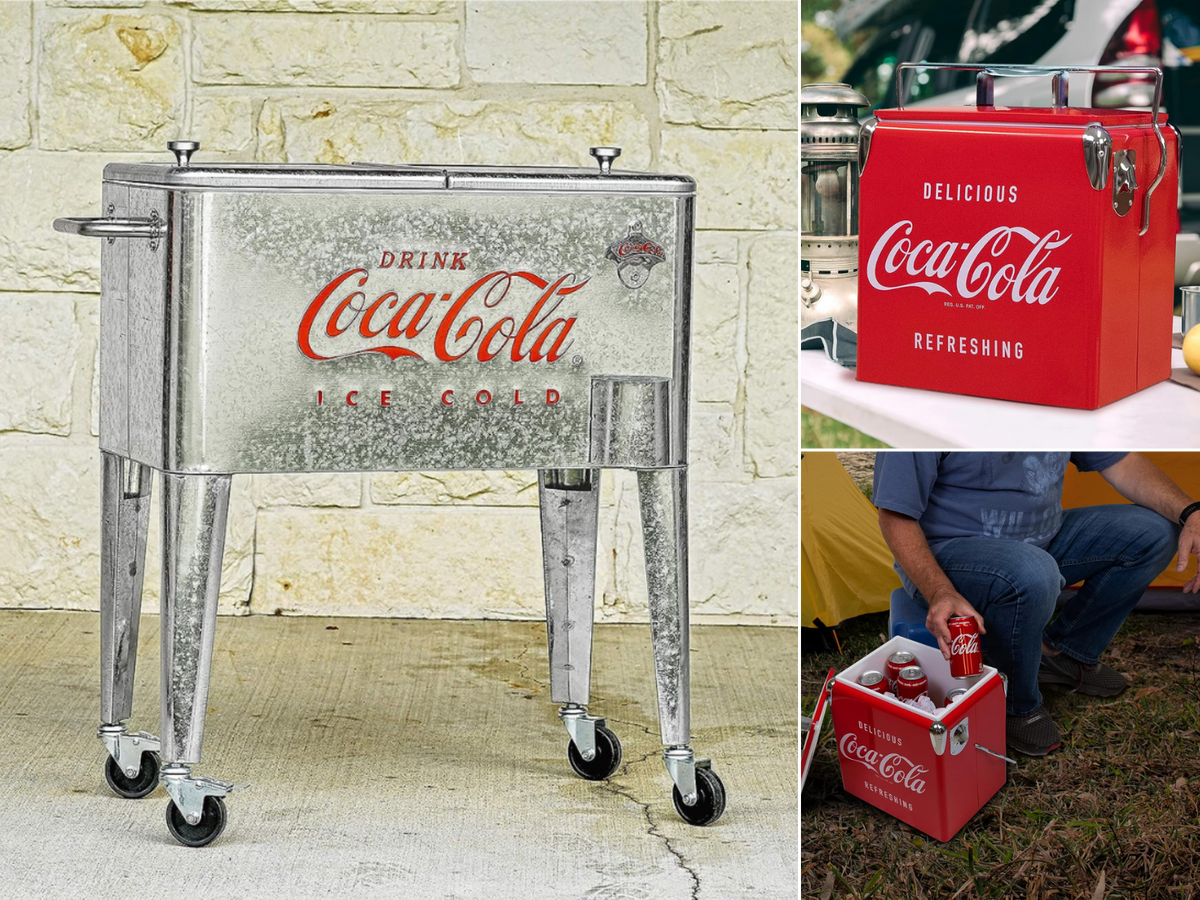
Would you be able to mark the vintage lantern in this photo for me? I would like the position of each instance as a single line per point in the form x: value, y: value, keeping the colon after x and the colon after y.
x: 829, y: 206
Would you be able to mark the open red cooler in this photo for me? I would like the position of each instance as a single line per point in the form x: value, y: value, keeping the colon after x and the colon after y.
x: 1018, y: 253
x: 933, y: 772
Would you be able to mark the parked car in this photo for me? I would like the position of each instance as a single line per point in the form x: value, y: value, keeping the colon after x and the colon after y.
x: 1042, y: 32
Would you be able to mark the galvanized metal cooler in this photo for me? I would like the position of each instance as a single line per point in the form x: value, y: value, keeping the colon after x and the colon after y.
x: 305, y: 318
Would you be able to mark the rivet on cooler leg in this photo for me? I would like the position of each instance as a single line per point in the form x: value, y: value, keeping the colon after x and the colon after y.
x: 132, y: 767
x: 196, y: 811
x: 594, y: 751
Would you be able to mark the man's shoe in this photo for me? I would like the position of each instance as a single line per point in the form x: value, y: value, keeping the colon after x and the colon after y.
x: 1096, y: 681
x: 1034, y: 734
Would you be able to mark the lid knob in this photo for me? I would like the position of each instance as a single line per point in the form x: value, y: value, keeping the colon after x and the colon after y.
x: 605, y: 156
x: 183, y: 151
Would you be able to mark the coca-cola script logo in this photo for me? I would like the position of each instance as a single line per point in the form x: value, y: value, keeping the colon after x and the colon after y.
x: 983, y: 267
x: 341, y: 322
x: 890, y: 766
x: 964, y: 643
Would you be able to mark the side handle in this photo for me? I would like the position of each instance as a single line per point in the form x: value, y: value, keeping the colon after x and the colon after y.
x: 152, y: 228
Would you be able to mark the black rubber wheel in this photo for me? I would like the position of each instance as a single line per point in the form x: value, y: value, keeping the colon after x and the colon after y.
x: 606, y: 761
x: 710, y: 802
x: 204, y: 832
x: 141, y: 784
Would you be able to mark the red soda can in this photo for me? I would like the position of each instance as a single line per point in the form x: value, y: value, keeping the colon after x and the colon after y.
x: 966, y: 660
x: 911, y: 683
x: 895, y: 663
x: 873, y: 680
x: 955, y: 694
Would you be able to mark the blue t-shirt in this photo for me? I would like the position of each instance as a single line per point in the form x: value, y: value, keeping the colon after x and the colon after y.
x: 1010, y: 496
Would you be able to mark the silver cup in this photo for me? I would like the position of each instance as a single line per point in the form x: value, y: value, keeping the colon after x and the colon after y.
x: 1191, y: 307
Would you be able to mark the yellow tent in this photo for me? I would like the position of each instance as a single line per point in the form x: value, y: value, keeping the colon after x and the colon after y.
x: 845, y: 567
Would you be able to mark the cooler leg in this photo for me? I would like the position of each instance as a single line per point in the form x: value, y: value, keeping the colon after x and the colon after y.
x: 569, y: 501
x: 194, y: 512
x: 699, y: 794
x: 132, y: 765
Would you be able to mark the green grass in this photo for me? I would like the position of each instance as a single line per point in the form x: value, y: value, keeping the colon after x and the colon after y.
x: 1120, y: 800
x: 818, y: 431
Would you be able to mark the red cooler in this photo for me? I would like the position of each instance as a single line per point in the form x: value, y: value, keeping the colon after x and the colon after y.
x: 926, y: 770
x: 1019, y: 253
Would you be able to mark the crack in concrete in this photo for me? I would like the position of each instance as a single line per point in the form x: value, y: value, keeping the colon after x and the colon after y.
x: 614, y: 788
x: 652, y: 828
x: 525, y: 672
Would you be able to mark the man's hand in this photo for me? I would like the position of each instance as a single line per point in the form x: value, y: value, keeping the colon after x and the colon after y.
x: 908, y: 544
x: 947, y: 603
x: 1189, y: 544
x: 1138, y: 479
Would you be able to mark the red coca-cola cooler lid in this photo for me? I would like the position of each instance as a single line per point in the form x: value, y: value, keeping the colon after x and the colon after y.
x: 814, y: 733
x: 1067, y: 115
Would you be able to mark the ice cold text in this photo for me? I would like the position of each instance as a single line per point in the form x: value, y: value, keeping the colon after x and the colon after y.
x: 449, y: 397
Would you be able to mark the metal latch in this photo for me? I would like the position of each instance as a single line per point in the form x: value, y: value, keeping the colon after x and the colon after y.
x: 1097, y: 154
x: 864, y: 142
x: 1124, y: 180
x: 959, y: 736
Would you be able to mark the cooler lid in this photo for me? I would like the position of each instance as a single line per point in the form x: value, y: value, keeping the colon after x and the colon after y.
x: 1027, y: 115
x: 202, y: 176
x: 814, y: 733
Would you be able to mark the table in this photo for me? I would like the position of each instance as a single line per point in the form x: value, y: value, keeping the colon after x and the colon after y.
x: 1163, y: 417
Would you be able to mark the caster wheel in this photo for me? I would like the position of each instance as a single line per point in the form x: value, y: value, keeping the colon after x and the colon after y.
x: 709, y: 804
x: 606, y: 761
x: 137, y: 787
x: 204, y: 832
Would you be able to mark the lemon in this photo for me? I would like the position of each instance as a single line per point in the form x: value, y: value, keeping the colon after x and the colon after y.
x: 1191, y: 349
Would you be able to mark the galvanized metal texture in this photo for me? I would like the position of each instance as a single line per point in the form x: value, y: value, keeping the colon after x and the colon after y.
x: 194, y: 512
x: 124, y: 523
x: 662, y: 495
x: 631, y: 422
x: 570, y: 510
x: 234, y: 364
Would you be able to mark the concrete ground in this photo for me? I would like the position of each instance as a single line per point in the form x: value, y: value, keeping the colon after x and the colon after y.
x: 400, y: 758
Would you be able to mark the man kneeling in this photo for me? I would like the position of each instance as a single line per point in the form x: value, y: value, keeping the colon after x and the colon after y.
x: 990, y: 526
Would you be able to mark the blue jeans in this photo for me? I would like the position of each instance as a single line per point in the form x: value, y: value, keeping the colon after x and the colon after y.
x: 1116, y: 551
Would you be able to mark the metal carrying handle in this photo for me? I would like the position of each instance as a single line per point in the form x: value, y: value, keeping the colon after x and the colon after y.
x: 995, y: 754
x: 984, y: 93
x: 152, y: 228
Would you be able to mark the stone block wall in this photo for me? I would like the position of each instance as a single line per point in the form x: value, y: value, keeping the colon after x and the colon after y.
x: 703, y: 88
